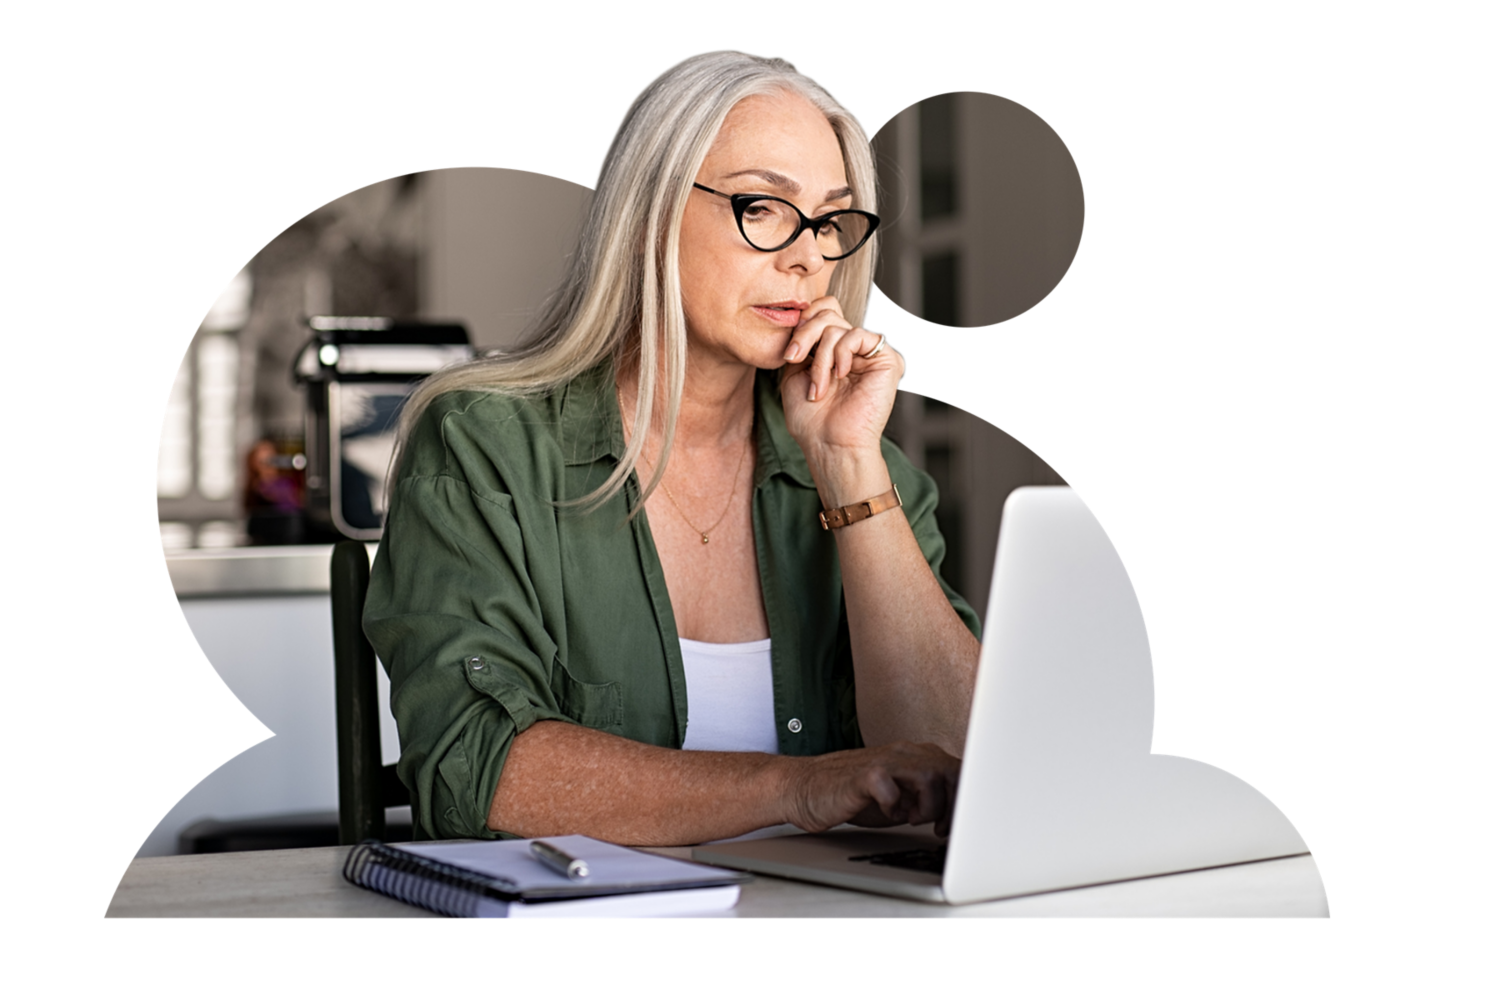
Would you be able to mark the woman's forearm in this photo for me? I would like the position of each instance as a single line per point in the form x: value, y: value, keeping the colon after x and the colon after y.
x: 914, y: 659
x: 561, y: 778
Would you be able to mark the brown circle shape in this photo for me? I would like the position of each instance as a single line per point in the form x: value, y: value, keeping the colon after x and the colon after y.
x: 981, y: 209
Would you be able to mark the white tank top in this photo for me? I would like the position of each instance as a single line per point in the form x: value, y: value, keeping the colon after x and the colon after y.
x: 730, y: 700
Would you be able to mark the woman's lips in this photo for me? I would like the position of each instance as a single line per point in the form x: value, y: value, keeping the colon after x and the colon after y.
x: 782, y: 313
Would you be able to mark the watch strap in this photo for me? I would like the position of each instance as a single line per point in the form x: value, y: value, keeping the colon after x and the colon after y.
x: 841, y: 517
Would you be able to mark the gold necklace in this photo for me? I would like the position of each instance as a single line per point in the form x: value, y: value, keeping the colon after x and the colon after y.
x: 733, y: 485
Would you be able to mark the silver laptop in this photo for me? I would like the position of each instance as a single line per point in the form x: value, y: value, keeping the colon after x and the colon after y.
x: 1059, y: 788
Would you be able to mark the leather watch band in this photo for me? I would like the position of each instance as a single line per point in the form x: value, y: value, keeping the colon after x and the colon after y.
x: 840, y: 517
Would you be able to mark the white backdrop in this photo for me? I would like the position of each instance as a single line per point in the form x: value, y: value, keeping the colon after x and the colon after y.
x: 1267, y: 372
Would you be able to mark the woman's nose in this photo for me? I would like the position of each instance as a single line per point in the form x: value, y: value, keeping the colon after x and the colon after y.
x: 803, y: 254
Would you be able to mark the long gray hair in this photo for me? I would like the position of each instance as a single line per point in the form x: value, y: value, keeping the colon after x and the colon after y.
x: 623, y: 294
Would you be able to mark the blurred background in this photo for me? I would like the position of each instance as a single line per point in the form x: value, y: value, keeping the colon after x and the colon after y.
x: 981, y: 209
x: 480, y: 246
x: 298, y: 368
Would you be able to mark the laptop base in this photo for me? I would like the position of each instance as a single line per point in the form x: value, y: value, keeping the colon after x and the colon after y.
x: 825, y: 858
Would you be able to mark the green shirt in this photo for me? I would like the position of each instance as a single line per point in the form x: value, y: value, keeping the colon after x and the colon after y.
x: 492, y: 607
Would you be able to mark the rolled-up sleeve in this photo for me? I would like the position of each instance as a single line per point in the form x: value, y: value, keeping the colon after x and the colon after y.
x: 453, y: 615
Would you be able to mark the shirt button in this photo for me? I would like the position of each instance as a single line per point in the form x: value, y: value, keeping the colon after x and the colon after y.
x: 794, y: 725
x: 476, y: 663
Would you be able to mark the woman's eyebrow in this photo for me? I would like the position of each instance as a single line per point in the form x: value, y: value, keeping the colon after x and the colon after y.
x: 788, y: 185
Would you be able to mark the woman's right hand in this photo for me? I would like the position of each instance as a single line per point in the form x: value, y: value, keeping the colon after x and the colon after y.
x: 876, y: 786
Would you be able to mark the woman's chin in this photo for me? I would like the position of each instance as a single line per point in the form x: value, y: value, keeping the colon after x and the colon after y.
x: 768, y: 355
x: 772, y: 361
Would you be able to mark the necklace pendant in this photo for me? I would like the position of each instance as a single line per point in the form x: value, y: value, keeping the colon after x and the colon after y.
x: 705, y: 539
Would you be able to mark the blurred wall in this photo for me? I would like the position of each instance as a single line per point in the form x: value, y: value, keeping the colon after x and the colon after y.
x: 498, y: 243
x: 981, y: 207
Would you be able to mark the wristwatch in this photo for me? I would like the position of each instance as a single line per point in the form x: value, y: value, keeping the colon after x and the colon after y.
x: 840, y: 517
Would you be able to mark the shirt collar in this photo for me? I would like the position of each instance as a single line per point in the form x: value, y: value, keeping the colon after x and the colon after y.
x: 589, y: 418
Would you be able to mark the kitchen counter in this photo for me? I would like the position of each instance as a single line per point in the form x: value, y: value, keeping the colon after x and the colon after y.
x: 252, y: 571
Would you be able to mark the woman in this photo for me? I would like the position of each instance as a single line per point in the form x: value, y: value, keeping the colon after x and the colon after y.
x: 573, y: 652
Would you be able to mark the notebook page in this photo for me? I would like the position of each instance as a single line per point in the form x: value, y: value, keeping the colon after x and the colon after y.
x: 610, y: 866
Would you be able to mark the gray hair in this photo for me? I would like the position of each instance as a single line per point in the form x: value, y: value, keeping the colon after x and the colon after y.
x: 623, y: 294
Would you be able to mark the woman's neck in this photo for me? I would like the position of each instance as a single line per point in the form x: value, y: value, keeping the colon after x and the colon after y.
x: 717, y: 408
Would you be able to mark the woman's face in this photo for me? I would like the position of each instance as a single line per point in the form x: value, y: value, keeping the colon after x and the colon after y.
x: 741, y: 304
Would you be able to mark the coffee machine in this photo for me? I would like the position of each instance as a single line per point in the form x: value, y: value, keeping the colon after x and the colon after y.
x: 358, y: 372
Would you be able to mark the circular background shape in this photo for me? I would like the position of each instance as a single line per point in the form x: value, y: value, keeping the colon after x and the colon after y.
x: 981, y: 209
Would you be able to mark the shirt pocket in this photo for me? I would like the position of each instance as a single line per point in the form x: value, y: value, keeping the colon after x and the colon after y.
x: 597, y: 706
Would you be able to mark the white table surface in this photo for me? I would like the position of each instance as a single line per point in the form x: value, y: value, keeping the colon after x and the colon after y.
x: 308, y: 883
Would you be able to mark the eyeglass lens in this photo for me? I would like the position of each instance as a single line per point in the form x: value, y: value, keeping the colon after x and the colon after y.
x: 769, y: 223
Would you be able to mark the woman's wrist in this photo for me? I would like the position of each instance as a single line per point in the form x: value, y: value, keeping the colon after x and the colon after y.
x: 847, y: 475
x: 791, y: 775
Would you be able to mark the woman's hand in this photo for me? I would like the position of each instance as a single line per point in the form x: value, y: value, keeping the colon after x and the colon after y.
x: 877, y: 786
x: 836, y: 399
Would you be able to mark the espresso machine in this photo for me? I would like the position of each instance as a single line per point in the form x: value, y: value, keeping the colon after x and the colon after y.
x: 358, y: 372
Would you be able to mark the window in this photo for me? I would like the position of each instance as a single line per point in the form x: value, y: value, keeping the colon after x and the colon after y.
x: 197, y: 470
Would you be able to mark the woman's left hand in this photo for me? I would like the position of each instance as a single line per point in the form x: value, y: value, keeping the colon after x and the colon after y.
x: 835, y: 398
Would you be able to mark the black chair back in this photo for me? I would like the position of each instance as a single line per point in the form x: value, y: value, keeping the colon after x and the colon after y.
x: 365, y: 787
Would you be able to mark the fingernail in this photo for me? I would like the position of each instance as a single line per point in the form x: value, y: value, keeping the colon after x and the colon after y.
x: 792, y: 352
x: 812, y: 393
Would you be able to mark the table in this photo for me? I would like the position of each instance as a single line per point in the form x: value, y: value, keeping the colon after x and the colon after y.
x: 308, y: 883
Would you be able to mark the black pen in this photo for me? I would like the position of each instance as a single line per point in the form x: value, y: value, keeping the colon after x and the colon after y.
x: 560, y: 861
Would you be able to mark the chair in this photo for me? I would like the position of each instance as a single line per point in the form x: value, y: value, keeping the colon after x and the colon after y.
x: 366, y: 789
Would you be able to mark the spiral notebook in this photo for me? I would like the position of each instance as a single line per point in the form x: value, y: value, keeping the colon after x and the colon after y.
x: 501, y: 878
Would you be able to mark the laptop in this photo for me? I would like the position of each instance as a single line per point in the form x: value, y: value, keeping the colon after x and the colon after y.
x: 1058, y: 787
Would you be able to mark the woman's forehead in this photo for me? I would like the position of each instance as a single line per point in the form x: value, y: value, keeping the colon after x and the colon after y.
x: 777, y: 140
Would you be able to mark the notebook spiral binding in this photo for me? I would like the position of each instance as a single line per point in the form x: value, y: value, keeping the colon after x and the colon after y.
x: 432, y: 885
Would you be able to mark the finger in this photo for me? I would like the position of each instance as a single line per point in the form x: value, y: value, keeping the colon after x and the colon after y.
x: 879, y: 786
x: 789, y: 372
x: 821, y: 362
x: 826, y: 302
x: 887, y: 353
x: 822, y: 326
x: 914, y: 804
x: 810, y: 328
x: 928, y: 796
x: 843, y: 355
x: 853, y: 348
x: 824, y: 360
x: 916, y: 799
x: 796, y: 386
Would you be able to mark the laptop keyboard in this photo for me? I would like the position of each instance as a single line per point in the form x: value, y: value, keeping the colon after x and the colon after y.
x: 924, y: 859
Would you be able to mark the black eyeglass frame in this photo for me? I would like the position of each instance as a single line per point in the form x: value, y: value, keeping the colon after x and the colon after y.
x: 740, y: 202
